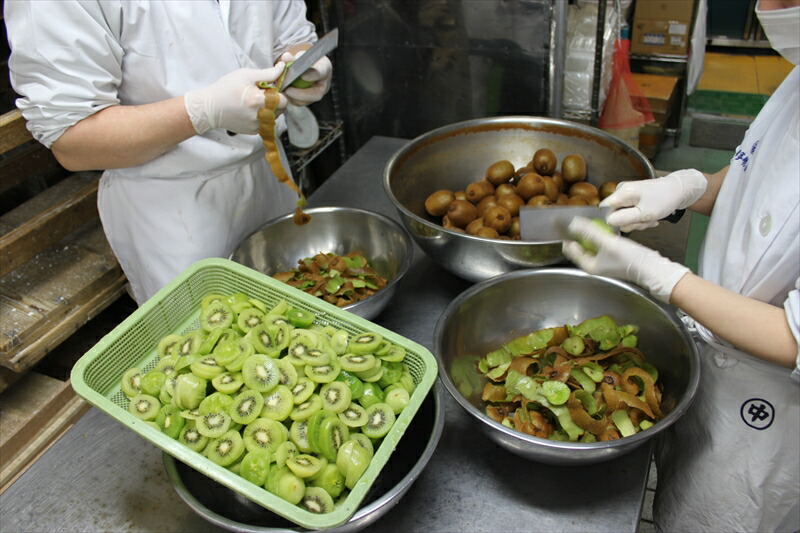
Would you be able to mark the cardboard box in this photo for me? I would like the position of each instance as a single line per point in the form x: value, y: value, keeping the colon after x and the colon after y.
x: 662, y: 94
x: 662, y: 27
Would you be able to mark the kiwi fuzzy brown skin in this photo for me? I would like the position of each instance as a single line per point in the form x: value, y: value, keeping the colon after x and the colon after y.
x: 504, y: 189
x: 487, y: 232
x: 550, y: 189
x: 607, y: 188
x: 520, y: 173
x: 514, y: 229
x: 485, y: 203
x: 530, y: 185
x: 497, y: 217
x: 512, y: 202
x: 559, y: 179
x: 473, y: 227
x: 437, y: 203
x: 578, y: 200
x: 583, y: 188
x: 544, y: 161
x: 461, y: 212
x: 478, y: 189
x: 562, y: 199
x: 539, y: 200
x: 573, y: 168
x: 499, y: 172
x: 460, y: 195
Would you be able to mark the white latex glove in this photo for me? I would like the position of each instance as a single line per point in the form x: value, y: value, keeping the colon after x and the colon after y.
x: 622, y: 258
x: 320, y: 73
x: 641, y: 204
x: 232, y: 102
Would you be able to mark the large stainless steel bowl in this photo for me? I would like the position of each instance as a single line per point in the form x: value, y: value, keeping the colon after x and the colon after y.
x: 494, y: 311
x: 231, y: 511
x: 280, y: 244
x: 456, y: 155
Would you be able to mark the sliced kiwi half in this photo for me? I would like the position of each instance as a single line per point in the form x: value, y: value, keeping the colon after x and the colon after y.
x: 210, y: 342
x: 353, y: 415
x: 264, y: 434
x: 300, y: 318
x: 144, y: 406
x: 304, y: 410
x: 323, y: 373
x: 278, y: 404
x: 305, y: 465
x: 336, y: 396
x: 228, y: 382
x: 226, y: 448
x: 397, y: 398
x: 284, y: 451
x: 357, y: 362
x: 151, y: 382
x: 380, y: 419
x: 131, y: 382
x: 260, y: 373
x: 206, y: 367
x: 333, y: 433
x: 366, y: 342
x: 192, y: 438
x: 317, y: 500
x: 288, y: 372
x: 167, y: 344
x: 298, y: 433
x: 250, y: 318
x: 246, y: 406
x: 217, y: 315
x: 303, y: 389
x: 216, y: 402
x: 329, y: 479
x: 189, y: 344
x: 255, y: 466
x: 172, y: 423
x: 213, y: 425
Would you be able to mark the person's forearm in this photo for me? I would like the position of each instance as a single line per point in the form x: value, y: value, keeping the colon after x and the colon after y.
x: 705, y: 204
x: 123, y: 136
x: 755, y: 327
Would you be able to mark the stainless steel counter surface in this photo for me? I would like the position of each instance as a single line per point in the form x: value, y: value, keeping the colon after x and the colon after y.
x: 100, y: 476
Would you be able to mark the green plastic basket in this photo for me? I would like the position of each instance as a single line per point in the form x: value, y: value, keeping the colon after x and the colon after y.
x: 175, y: 309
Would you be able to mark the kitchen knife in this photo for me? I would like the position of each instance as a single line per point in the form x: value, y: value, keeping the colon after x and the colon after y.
x: 549, y: 223
x: 322, y: 47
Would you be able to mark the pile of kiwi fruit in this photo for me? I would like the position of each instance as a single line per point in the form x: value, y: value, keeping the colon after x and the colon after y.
x: 287, y: 403
x: 490, y: 207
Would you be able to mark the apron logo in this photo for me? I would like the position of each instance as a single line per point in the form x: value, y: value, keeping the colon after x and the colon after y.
x: 757, y: 413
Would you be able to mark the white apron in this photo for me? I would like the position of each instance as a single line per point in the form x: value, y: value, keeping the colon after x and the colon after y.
x: 732, y: 463
x: 201, y: 198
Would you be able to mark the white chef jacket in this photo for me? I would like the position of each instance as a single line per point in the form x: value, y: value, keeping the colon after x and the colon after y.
x: 73, y: 58
x: 732, y: 462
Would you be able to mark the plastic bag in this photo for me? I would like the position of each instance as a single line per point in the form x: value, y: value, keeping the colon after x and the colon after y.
x: 626, y: 108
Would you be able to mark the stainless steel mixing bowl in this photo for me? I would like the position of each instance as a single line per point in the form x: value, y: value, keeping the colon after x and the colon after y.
x: 233, y: 512
x: 280, y: 244
x: 456, y: 155
x: 494, y: 311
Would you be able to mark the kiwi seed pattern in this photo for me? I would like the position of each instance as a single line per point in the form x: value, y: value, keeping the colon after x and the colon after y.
x: 302, y: 421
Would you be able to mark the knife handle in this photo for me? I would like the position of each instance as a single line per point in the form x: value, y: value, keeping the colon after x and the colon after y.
x: 675, y: 216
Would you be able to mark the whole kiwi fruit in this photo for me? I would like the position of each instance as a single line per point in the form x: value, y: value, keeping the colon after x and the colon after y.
x: 437, y: 203
x: 607, y: 188
x: 578, y: 200
x: 473, y: 227
x: 559, y: 179
x: 485, y: 203
x: 573, y: 168
x: 499, y: 172
x: 540, y: 200
x: 461, y: 212
x: 562, y: 199
x: 550, y: 188
x: 583, y: 188
x: 504, y: 189
x: 478, y: 189
x: 461, y: 195
x: 497, y: 217
x: 530, y: 185
x: 487, y: 232
x: 514, y: 230
x: 520, y: 173
x: 512, y: 202
x: 544, y: 161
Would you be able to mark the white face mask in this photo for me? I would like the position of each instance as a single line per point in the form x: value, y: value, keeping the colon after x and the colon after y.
x: 782, y: 27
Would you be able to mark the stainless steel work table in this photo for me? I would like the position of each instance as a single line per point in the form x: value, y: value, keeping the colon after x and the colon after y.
x: 100, y: 476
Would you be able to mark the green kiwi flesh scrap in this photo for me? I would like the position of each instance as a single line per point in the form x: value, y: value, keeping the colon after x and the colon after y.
x: 270, y: 393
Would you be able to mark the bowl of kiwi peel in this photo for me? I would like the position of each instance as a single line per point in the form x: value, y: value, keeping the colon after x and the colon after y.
x: 562, y: 367
x: 280, y: 245
x: 447, y: 183
x: 233, y: 512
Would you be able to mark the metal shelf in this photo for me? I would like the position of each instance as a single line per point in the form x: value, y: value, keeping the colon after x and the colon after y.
x: 329, y: 131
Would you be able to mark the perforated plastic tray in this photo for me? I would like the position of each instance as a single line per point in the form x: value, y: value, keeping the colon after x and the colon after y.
x: 175, y: 309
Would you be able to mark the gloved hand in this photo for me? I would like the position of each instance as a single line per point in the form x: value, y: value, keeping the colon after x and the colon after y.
x: 622, y: 258
x: 641, y: 204
x: 232, y: 102
x: 320, y: 74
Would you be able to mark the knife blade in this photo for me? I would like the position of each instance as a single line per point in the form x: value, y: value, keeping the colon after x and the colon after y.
x: 550, y: 223
x: 322, y: 47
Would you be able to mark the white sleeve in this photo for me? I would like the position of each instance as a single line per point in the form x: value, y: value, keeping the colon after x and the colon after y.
x: 65, y: 62
x: 792, y: 307
x: 290, y: 26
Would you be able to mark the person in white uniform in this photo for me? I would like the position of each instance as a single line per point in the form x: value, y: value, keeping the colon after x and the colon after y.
x: 161, y: 97
x: 732, y: 462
